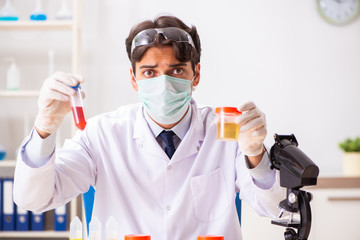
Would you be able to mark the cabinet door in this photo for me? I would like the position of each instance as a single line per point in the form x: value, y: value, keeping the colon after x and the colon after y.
x: 335, y: 214
x: 255, y: 227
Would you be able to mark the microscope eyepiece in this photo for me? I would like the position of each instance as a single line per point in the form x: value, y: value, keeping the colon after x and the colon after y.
x: 296, y: 169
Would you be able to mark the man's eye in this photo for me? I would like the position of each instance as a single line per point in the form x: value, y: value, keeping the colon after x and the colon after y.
x: 149, y: 73
x: 178, y: 71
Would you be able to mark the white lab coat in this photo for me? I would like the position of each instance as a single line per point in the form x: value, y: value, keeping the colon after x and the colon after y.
x: 192, y: 194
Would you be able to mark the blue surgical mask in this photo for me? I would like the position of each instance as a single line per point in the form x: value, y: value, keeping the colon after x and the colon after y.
x: 166, y: 99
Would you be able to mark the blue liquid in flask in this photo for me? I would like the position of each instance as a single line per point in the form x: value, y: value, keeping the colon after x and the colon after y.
x: 38, y: 17
x: 8, y: 18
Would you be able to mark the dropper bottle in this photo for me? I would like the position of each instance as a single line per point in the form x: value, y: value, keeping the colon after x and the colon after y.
x: 76, y: 229
x: 12, y: 76
x: 95, y: 229
x: 111, y: 229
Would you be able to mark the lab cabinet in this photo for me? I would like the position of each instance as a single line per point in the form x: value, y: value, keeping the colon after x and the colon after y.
x: 7, y: 167
x: 335, y: 213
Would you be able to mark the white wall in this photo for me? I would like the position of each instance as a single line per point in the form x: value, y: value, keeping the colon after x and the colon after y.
x: 301, y: 71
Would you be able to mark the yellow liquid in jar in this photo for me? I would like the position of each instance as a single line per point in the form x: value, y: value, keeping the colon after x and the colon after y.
x: 228, y: 131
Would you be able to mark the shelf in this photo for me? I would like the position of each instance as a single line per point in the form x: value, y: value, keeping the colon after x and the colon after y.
x: 337, y: 182
x: 35, y: 234
x: 7, y: 168
x: 32, y: 25
x: 19, y: 93
x: 8, y: 163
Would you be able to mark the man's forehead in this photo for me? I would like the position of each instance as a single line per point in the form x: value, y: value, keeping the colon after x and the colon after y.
x: 160, y: 57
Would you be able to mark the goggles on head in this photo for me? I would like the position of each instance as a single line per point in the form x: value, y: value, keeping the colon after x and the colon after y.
x: 148, y: 36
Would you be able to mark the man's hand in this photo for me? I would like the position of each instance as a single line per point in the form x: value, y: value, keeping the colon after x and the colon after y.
x: 252, y: 132
x: 54, y: 101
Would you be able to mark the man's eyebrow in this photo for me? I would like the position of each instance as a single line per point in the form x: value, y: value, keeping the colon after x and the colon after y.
x: 178, y: 64
x: 171, y: 65
x: 148, y: 66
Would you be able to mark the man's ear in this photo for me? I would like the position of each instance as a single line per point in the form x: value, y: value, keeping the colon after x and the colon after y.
x: 133, y: 81
x: 197, y: 75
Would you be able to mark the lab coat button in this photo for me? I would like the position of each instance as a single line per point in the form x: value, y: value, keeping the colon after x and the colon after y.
x: 198, y: 148
x: 168, y: 208
x: 140, y: 146
x: 169, y: 168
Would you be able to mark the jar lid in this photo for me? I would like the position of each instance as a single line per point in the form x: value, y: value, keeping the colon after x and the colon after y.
x: 210, y: 237
x: 230, y: 110
x: 137, y: 237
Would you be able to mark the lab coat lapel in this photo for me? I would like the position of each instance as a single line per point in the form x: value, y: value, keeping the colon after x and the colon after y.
x: 193, y: 139
x: 144, y: 138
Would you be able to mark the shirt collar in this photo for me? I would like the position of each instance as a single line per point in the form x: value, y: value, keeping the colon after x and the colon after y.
x: 179, y: 129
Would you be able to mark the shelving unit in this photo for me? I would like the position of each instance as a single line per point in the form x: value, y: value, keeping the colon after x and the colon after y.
x: 19, y: 94
x: 32, y: 26
x: 35, y: 234
x: 7, y: 167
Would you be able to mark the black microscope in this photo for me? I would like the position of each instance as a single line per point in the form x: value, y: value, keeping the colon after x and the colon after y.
x: 296, y: 171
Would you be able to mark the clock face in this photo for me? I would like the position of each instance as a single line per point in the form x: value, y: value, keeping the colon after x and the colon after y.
x: 339, y: 12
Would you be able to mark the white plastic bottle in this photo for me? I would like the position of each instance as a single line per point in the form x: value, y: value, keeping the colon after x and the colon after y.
x: 95, y: 229
x: 12, y: 76
x: 76, y: 229
x: 111, y: 229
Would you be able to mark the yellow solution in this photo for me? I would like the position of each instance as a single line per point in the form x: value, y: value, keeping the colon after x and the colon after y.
x: 228, y: 131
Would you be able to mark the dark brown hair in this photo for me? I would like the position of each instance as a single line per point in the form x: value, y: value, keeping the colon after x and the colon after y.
x: 184, y: 52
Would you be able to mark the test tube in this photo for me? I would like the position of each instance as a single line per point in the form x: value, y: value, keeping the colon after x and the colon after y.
x: 76, y: 229
x: 77, y: 108
x: 95, y: 229
x: 111, y: 229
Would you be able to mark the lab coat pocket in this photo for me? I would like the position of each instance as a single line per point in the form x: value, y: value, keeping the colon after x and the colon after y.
x: 209, y: 195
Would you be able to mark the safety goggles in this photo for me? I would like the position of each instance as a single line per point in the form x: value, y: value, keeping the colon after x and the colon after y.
x: 148, y: 36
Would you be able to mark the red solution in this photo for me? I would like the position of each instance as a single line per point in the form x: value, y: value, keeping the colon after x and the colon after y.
x: 79, y: 117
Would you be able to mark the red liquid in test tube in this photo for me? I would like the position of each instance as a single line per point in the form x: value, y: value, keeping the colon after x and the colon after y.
x: 79, y: 117
x: 77, y: 108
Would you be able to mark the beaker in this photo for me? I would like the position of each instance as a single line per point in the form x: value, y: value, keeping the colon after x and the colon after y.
x: 78, y: 108
x: 227, y: 128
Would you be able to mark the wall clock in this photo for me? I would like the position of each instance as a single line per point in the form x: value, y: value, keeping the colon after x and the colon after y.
x: 338, y: 12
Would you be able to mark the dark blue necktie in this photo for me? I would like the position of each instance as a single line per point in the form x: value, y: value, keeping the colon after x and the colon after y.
x: 167, y: 137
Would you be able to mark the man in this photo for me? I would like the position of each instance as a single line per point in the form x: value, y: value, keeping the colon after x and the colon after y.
x: 156, y: 166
